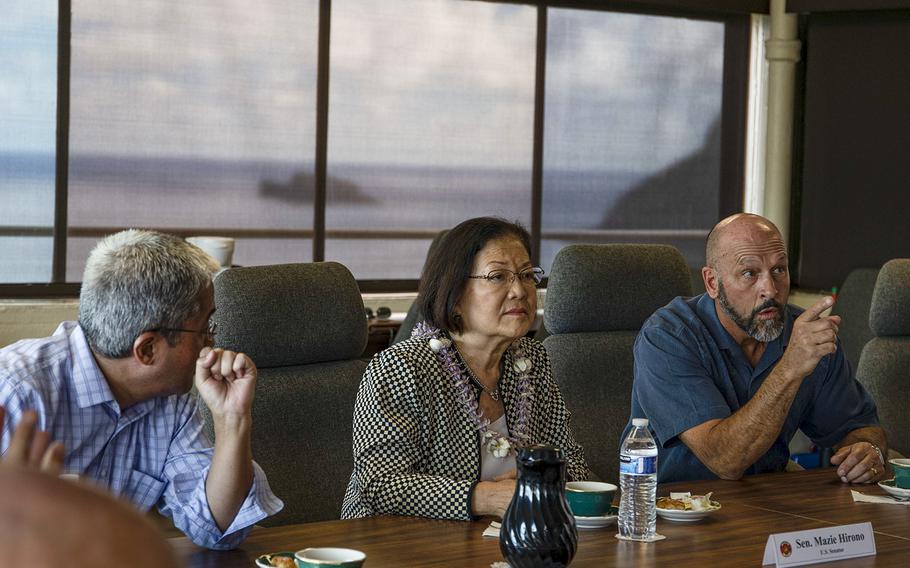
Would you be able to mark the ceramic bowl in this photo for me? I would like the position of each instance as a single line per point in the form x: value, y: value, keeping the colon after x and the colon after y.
x: 326, y: 557
x: 589, y: 498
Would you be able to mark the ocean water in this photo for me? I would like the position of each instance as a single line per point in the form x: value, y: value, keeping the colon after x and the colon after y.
x: 216, y: 196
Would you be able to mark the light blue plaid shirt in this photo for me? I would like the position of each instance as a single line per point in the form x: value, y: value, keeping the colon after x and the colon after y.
x: 152, y: 453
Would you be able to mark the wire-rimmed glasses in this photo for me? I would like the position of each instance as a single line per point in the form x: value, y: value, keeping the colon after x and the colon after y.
x: 503, y: 277
x: 209, y: 332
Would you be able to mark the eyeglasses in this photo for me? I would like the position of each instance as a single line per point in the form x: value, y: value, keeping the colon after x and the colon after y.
x: 209, y: 332
x: 503, y: 277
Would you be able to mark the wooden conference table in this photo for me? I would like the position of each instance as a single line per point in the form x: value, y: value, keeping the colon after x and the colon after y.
x: 735, y: 535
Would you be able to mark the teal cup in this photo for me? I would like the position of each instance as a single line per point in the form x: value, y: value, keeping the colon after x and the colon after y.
x: 901, y: 469
x: 589, y: 498
x: 329, y: 557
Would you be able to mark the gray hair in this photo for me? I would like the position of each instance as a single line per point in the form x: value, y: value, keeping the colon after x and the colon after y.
x: 139, y: 280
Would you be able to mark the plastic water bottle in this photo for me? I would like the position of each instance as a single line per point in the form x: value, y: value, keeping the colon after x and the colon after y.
x: 638, y: 482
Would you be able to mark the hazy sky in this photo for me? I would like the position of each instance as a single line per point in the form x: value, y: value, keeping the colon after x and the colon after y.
x: 427, y: 82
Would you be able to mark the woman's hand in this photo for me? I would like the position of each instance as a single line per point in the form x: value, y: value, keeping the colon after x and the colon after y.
x: 493, y: 497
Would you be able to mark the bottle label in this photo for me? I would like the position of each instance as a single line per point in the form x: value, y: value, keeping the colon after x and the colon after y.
x: 637, y: 465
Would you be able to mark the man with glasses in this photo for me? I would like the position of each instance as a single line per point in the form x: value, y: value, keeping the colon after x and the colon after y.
x: 114, y: 390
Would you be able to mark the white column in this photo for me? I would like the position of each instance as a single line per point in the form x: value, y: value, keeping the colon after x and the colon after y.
x: 757, y: 117
x: 782, y: 51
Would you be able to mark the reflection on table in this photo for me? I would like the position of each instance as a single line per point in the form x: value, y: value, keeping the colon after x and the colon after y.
x: 752, y: 509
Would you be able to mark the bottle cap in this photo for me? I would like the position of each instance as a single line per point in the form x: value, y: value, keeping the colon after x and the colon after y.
x: 639, y: 422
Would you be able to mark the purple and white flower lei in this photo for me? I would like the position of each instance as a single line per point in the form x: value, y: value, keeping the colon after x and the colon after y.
x: 498, y: 445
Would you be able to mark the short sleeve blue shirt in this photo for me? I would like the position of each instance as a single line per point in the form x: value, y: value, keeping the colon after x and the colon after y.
x: 689, y: 370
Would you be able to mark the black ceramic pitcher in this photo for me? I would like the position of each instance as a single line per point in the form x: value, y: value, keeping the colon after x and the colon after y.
x: 538, y: 530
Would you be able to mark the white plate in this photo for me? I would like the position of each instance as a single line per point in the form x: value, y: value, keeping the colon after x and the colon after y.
x: 264, y: 561
x: 594, y: 522
x: 687, y: 516
x: 896, y: 492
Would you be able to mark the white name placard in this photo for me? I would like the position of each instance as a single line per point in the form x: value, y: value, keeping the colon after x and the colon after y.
x: 799, y: 548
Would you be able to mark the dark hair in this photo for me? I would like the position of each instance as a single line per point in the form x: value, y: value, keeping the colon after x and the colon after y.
x: 448, y: 266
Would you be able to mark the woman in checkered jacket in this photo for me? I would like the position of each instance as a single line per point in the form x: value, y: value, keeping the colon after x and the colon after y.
x: 438, y: 417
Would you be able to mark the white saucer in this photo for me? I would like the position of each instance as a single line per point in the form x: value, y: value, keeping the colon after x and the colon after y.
x: 678, y: 516
x: 265, y: 561
x: 896, y: 492
x: 594, y: 522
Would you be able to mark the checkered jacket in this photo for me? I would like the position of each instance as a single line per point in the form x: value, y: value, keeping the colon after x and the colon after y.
x: 416, y: 451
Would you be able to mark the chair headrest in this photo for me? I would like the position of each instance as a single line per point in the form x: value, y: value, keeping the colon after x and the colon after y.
x: 612, y: 287
x: 855, y: 294
x: 890, y: 310
x: 291, y: 314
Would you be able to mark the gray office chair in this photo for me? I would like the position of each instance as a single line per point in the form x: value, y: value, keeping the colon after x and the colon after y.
x: 884, y: 366
x: 597, y: 299
x: 853, y: 302
x: 303, y: 325
x: 413, y: 315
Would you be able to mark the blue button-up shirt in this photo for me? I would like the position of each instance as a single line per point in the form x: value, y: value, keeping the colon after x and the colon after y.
x: 152, y: 453
x: 689, y: 370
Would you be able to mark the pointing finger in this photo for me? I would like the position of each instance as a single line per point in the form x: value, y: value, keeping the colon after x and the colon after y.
x: 816, y: 309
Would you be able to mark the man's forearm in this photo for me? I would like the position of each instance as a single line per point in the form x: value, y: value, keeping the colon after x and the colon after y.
x: 231, y: 473
x: 728, y: 447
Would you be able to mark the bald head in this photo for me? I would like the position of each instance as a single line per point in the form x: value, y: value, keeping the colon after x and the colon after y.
x: 738, y: 228
x: 748, y: 276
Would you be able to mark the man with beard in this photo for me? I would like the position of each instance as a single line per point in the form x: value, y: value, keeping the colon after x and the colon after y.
x: 726, y: 378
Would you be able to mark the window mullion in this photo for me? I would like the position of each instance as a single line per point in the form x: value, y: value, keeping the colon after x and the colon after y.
x: 61, y: 175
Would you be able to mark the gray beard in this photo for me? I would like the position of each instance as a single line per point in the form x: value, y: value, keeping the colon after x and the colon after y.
x: 758, y: 329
